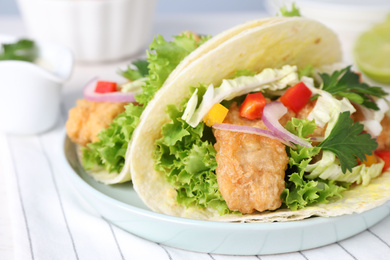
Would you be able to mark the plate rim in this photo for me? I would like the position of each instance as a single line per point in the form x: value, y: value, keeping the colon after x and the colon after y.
x: 260, y: 230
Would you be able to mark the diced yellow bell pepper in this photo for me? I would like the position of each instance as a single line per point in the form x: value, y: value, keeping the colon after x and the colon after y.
x: 370, y: 160
x: 216, y: 115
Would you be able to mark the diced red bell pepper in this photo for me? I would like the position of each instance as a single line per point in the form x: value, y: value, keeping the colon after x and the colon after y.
x: 385, y: 156
x: 253, y: 105
x: 296, y: 97
x: 105, y: 87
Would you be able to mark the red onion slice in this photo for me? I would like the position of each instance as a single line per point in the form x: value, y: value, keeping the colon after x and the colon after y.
x: 90, y: 94
x: 271, y: 114
x: 251, y: 130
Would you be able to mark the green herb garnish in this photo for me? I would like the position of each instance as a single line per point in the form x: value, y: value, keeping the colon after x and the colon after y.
x: 23, y: 49
x: 346, y: 83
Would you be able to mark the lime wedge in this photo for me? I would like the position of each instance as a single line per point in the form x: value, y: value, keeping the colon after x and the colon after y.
x: 372, y: 52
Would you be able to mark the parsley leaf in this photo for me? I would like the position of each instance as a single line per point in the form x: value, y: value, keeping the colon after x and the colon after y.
x: 347, y: 141
x: 346, y: 83
x: 23, y: 49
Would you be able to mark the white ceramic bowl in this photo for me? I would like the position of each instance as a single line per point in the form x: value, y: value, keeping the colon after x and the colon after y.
x: 95, y: 30
x: 30, y: 93
x: 340, y: 15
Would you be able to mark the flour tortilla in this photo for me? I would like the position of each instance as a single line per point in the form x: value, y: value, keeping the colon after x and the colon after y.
x: 293, y: 41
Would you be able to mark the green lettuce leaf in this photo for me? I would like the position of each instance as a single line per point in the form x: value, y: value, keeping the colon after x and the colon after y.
x: 189, y: 163
x: 163, y: 57
x: 109, y: 152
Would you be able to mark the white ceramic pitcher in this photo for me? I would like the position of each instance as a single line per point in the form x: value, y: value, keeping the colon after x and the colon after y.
x: 30, y: 93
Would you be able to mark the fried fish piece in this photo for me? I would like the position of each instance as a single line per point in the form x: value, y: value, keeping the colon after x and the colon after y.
x: 251, y: 168
x: 88, y: 118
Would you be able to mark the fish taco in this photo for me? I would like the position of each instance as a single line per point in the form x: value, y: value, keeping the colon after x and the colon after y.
x: 265, y: 126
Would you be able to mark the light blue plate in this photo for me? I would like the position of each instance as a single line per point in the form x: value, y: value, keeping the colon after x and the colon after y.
x: 121, y: 205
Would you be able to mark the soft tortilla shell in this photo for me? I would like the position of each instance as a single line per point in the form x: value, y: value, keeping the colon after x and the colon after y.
x: 294, y: 41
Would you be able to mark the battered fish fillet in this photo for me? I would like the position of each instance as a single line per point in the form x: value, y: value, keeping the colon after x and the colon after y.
x: 251, y: 168
x: 88, y: 118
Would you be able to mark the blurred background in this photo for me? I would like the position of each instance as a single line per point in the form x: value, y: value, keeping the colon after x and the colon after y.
x: 10, y: 7
x: 98, y: 31
x: 121, y: 22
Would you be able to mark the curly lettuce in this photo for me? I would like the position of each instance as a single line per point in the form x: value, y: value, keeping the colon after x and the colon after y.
x: 109, y: 152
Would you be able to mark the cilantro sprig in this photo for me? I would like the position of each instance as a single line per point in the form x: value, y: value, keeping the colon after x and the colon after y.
x: 346, y: 83
x: 347, y: 142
